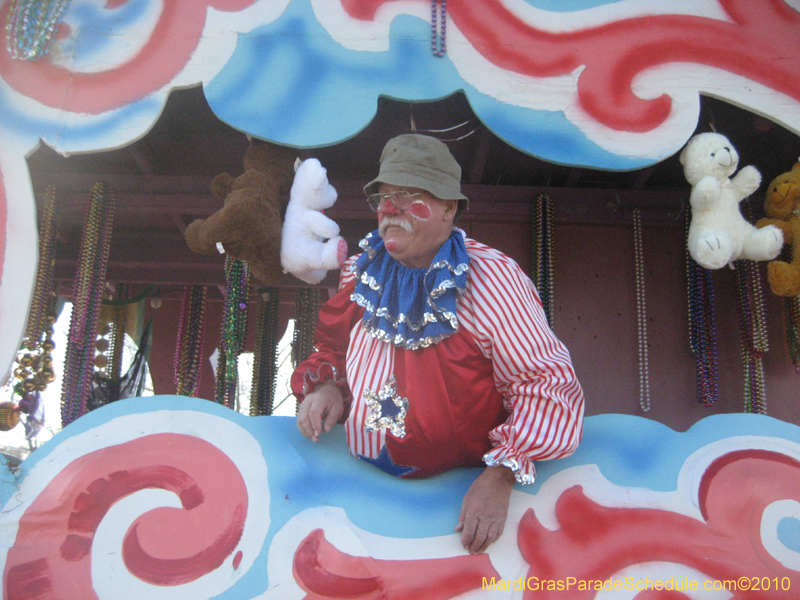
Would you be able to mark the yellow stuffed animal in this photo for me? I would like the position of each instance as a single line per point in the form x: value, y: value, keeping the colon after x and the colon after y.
x: 782, y: 207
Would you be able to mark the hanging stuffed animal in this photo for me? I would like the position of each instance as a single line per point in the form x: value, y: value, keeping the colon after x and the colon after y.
x: 718, y: 233
x: 783, y: 211
x: 248, y: 226
x: 311, y: 245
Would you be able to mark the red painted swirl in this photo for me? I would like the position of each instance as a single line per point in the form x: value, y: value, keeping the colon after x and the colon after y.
x: 169, y: 48
x: 165, y: 546
x: 327, y: 573
x: 761, y: 43
x: 595, y: 542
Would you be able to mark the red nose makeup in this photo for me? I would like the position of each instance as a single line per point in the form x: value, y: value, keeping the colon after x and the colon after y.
x: 388, y: 208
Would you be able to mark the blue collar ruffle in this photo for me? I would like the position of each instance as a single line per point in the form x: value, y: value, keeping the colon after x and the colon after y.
x: 410, y: 307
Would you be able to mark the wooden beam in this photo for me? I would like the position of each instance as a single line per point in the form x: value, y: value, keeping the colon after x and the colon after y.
x: 190, y: 196
x: 572, y: 205
x: 123, y: 183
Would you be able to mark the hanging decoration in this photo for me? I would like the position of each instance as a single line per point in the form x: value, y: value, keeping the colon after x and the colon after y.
x: 305, y: 323
x: 641, y: 313
x: 31, y: 26
x: 234, y: 330
x: 107, y: 383
x: 111, y: 335
x: 34, y: 370
x: 791, y: 304
x: 439, y: 32
x: 9, y: 416
x: 87, y: 299
x: 121, y: 317
x: 703, y: 329
x: 118, y: 330
x: 542, y: 252
x: 265, y: 367
x: 791, y: 309
x: 189, y: 347
x: 101, y: 347
x: 752, y: 314
x: 105, y: 390
x: 306, y: 311
x: 43, y: 300
x: 753, y: 333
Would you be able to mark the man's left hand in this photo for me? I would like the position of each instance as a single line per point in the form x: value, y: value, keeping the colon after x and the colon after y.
x: 485, y: 508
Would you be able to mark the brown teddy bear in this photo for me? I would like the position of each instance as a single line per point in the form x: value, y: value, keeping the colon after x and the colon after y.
x: 782, y: 207
x: 248, y: 226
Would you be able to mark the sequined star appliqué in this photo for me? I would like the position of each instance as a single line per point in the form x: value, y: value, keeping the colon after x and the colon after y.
x: 388, y: 409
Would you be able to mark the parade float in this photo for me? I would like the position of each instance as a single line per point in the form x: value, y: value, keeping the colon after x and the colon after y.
x: 568, y: 119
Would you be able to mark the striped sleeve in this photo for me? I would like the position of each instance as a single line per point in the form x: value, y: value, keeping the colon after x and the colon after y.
x: 331, y: 340
x: 532, y: 368
x: 346, y: 274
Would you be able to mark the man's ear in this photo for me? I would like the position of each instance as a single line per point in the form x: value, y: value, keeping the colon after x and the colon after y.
x: 450, y: 209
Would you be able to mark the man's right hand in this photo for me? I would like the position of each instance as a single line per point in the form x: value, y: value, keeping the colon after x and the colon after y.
x: 320, y: 410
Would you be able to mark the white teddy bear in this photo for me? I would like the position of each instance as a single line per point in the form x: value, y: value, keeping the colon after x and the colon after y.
x: 305, y: 253
x: 718, y: 233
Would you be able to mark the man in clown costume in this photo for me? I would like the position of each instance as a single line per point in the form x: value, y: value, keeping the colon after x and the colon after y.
x: 436, y: 352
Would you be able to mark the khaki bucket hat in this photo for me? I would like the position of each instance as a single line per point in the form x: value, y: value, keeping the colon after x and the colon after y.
x: 419, y: 161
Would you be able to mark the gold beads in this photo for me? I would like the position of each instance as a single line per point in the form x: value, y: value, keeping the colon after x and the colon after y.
x: 9, y: 416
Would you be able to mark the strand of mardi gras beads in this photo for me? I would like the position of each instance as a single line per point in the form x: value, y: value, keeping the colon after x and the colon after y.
x: 87, y: 298
x: 641, y: 313
x: 306, y: 312
x: 32, y: 26
x: 265, y: 368
x: 549, y: 219
x: 43, y: 291
x: 791, y: 311
x: 752, y: 318
x: 191, y: 336
x: 234, y: 327
x: 305, y: 323
x: 189, y: 347
x: 34, y: 369
x: 222, y: 362
x: 117, y: 332
x: 791, y: 317
x: 702, y: 328
x: 441, y: 48
x: 543, y: 224
x: 752, y: 315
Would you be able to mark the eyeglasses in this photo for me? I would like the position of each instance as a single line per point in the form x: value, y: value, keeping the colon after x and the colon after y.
x: 402, y: 199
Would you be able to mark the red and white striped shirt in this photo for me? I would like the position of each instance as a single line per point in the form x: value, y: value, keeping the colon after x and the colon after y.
x: 500, y: 390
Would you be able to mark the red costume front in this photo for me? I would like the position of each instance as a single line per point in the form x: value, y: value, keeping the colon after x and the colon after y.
x: 500, y: 390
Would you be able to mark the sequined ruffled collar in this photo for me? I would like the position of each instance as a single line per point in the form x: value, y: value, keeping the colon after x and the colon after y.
x: 409, y: 307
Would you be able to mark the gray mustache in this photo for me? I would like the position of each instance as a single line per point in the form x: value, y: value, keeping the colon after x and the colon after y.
x: 393, y: 220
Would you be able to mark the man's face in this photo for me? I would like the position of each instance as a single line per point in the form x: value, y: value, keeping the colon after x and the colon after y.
x: 409, y: 237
